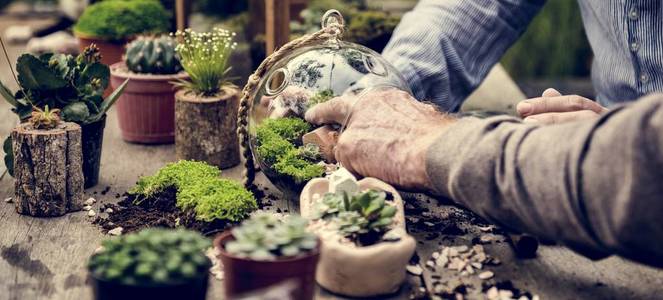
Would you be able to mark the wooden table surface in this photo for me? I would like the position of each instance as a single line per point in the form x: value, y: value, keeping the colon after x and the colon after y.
x: 44, y: 258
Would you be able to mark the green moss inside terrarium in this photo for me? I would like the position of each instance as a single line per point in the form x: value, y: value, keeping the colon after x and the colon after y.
x: 279, y: 143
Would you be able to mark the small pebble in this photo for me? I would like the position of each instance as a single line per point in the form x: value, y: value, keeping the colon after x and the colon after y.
x: 493, y: 293
x: 90, y: 201
x: 414, y: 270
x: 87, y: 207
x: 435, y: 255
x: 486, y: 275
x: 116, y: 231
x: 109, y: 210
x: 8, y: 200
x: 91, y: 213
x: 462, y: 248
x: 430, y: 264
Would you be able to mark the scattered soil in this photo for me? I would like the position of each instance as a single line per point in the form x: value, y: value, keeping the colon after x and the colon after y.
x: 158, y: 211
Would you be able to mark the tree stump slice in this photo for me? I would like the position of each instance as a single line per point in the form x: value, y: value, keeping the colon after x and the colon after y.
x: 48, y: 168
x: 206, y: 128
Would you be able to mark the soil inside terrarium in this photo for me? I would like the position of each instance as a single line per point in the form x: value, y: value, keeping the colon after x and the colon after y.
x: 157, y: 211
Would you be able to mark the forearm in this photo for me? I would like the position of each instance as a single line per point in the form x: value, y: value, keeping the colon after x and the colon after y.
x: 595, y: 186
x: 444, y: 49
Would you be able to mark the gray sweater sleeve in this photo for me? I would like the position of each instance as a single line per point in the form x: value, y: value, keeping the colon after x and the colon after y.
x: 595, y: 186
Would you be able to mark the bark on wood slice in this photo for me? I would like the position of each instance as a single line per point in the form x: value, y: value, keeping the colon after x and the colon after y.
x: 48, y: 167
x: 206, y: 128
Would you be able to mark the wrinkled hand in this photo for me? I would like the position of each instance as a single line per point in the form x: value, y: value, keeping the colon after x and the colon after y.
x: 386, y: 136
x: 553, y: 108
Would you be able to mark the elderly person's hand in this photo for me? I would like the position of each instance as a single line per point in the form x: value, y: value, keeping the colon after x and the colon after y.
x: 554, y: 108
x: 387, y: 134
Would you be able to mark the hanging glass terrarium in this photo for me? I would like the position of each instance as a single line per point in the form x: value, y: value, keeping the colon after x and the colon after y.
x: 300, y: 75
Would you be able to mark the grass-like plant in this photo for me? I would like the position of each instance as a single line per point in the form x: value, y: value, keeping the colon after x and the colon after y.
x: 200, y: 189
x: 152, y: 257
x: 279, y: 143
x: 205, y: 57
x: 120, y: 19
x: 266, y: 237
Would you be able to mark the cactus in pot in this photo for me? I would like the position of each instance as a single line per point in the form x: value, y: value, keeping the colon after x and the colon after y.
x: 146, y: 111
x: 267, y: 249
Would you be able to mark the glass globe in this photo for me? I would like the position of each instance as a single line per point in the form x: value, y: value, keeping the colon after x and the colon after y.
x: 304, y: 78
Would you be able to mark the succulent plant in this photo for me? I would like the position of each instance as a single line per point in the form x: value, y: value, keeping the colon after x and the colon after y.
x: 152, y: 256
x: 277, y: 141
x: 46, y: 118
x: 75, y: 85
x: 152, y: 55
x: 265, y: 236
x: 363, y: 217
x: 200, y: 189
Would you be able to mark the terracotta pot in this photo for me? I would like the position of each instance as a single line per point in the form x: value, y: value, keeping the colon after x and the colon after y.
x: 111, y: 51
x: 93, y: 140
x: 351, y: 270
x: 195, y: 289
x: 146, y: 109
x: 243, y: 275
x: 206, y: 128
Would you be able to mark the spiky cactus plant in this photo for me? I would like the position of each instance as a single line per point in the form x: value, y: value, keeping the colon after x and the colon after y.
x: 152, y: 55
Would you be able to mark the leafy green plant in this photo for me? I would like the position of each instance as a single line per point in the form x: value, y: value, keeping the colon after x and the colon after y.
x: 199, y: 189
x: 45, y: 119
x: 152, y: 55
x: 120, y: 19
x: 277, y: 141
x: 364, y: 217
x: 152, y: 257
x: 205, y: 57
x: 320, y: 97
x: 74, y: 85
x: 266, y: 237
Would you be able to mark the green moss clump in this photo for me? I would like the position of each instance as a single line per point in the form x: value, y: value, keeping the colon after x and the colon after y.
x: 200, y: 189
x: 277, y: 139
x: 320, y: 97
x: 119, y: 19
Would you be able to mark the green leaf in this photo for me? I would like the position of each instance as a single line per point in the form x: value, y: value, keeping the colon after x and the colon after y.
x: 75, y: 112
x: 35, y: 74
x: 7, y: 94
x: 388, y: 211
x: 98, y: 71
x: 110, y: 100
x: 9, y: 155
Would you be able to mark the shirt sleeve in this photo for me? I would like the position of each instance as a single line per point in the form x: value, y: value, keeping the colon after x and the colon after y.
x: 444, y: 49
x: 596, y: 186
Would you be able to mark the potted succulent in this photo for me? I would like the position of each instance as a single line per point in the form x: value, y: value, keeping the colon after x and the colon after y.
x: 74, y: 85
x: 206, y: 105
x: 362, y: 226
x: 266, y: 250
x: 146, y: 110
x: 48, y: 165
x: 110, y: 24
x: 151, y: 264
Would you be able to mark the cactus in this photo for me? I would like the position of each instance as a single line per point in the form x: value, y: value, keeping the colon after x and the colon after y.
x: 153, y: 55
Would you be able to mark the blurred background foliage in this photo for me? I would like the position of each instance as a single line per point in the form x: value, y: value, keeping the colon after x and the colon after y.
x: 553, y: 46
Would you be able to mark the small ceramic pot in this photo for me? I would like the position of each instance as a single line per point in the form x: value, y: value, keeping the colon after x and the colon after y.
x: 146, y: 109
x: 348, y: 269
x: 242, y: 275
x: 195, y: 289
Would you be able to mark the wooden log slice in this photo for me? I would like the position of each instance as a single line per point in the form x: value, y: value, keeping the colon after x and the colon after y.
x: 48, y: 168
x: 206, y: 128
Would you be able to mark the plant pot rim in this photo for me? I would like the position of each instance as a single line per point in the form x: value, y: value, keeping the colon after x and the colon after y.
x: 226, y: 93
x: 88, y: 36
x: 224, y: 237
x: 120, y: 70
x: 199, y: 276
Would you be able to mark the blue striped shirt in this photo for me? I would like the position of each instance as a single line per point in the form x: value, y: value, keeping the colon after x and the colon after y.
x: 445, y: 48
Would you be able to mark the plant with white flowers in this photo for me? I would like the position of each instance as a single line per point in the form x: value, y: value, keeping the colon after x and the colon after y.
x: 204, y: 56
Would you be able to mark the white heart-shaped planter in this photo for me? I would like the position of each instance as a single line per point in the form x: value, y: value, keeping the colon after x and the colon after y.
x: 347, y: 269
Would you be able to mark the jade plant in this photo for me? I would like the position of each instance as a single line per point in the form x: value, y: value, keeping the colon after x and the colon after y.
x: 265, y: 236
x: 200, y: 190
x: 152, y: 55
x: 364, y: 218
x: 45, y: 119
x: 120, y: 19
x: 152, y: 257
x: 205, y: 57
x: 279, y: 144
x: 73, y: 85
